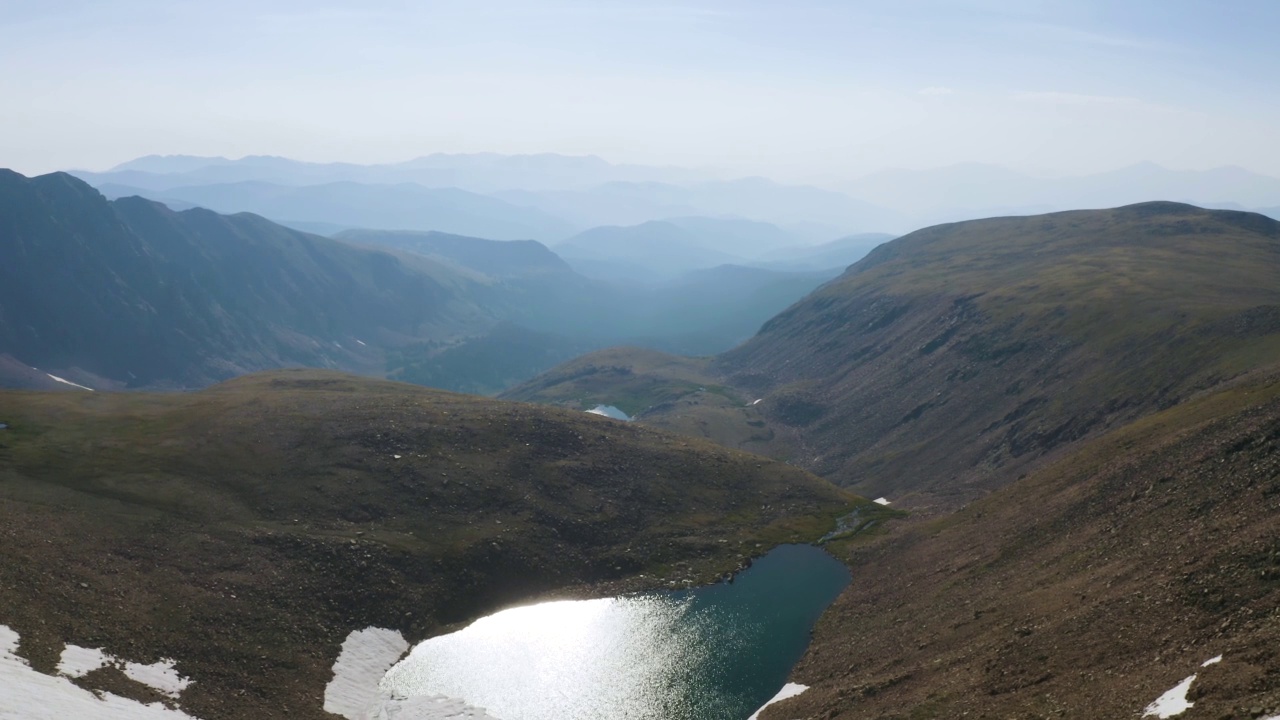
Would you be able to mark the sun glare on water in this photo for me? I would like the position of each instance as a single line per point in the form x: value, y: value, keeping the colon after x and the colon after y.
x: 598, y: 659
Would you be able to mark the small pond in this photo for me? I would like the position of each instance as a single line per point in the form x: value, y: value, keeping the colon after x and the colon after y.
x: 711, y: 653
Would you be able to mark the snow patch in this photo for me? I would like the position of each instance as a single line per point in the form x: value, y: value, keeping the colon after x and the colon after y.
x: 1211, y: 661
x: 1171, y: 703
x: 68, y: 382
x: 881, y: 501
x: 159, y: 676
x: 789, y: 690
x: 366, y: 656
x: 8, y: 642
x: 31, y: 695
x: 609, y: 411
x: 77, y: 661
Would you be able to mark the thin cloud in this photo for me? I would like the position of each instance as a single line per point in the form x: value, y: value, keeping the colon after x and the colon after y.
x: 935, y: 91
x: 1077, y: 36
x: 1065, y: 98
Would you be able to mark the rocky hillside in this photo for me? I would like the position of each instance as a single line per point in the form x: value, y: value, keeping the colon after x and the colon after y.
x: 1085, y: 590
x: 246, y: 529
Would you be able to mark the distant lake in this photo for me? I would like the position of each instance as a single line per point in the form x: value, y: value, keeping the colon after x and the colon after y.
x: 710, y: 653
x: 609, y: 411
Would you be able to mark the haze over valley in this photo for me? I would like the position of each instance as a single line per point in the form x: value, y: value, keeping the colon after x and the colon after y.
x: 644, y: 361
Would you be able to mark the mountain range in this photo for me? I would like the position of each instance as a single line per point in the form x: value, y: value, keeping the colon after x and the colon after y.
x: 581, y: 192
x: 478, y: 172
x: 1073, y: 418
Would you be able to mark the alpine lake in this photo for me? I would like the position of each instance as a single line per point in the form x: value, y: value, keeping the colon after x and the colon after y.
x: 718, y: 652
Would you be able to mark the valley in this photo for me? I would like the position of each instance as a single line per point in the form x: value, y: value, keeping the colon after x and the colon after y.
x: 1113, y: 369
x: 643, y: 360
x: 950, y: 361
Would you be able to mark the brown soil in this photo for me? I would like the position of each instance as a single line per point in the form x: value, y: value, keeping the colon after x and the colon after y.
x: 1085, y: 590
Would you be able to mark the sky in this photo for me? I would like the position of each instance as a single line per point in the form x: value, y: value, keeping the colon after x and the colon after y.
x: 802, y: 90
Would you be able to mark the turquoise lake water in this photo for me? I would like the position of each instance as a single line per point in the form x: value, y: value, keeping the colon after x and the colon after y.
x: 710, y: 653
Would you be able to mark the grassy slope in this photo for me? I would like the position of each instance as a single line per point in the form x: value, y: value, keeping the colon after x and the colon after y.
x: 950, y: 358
x: 246, y: 529
x: 674, y: 393
x: 1084, y: 590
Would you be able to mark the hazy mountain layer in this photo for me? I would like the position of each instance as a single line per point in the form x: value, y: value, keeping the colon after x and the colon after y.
x: 494, y: 258
x: 972, y: 190
x: 753, y: 199
x: 656, y: 250
x: 839, y: 253
x: 405, y: 206
x: 131, y: 293
x: 478, y: 172
x: 588, y: 192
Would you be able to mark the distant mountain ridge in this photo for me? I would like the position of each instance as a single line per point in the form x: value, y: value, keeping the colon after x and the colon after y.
x: 348, y: 205
x: 478, y: 172
x: 839, y: 253
x: 586, y: 191
x: 497, y: 258
x: 971, y: 190
x: 653, y: 250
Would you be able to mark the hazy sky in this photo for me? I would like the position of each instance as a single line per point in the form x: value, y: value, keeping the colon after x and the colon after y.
x: 812, y: 90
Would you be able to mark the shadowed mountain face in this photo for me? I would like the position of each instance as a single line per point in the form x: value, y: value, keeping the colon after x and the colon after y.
x: 246, y: 529
x: 135, y: 293
x: 949, y: 359
x: 1085, y: 590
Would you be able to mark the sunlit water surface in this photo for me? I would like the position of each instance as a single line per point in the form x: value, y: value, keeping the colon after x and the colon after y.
x: 718, y: 652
